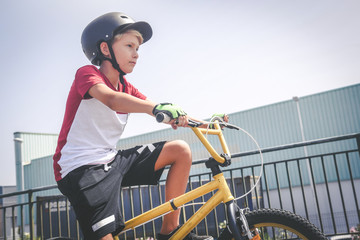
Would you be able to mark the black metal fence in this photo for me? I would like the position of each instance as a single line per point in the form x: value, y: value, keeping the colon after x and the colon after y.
x: 322, y: 185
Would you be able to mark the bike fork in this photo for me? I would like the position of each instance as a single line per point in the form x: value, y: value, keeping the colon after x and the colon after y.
x: 245, y: 225
x: 234, y: 230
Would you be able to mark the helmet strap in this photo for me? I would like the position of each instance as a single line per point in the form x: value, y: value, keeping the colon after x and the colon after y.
x: 116, y: 65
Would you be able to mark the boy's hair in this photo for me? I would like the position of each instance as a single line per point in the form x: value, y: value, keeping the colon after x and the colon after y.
x: 137, y: 34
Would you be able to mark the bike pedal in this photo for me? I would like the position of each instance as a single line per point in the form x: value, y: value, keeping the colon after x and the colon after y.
x: 256, y: 237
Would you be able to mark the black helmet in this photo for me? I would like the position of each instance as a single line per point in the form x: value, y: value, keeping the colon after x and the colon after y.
x: 103, y: 29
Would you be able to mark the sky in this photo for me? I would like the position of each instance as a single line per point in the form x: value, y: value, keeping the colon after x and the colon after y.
x: 207, y: 56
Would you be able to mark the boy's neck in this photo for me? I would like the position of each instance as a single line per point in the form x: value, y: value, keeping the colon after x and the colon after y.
x: 113, y: 75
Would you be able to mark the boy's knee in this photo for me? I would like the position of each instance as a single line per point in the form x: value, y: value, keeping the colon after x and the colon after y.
x: 181, y: 151
x: 183, y: 147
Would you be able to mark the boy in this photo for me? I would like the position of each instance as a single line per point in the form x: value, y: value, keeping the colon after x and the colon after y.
x: 88, y: 169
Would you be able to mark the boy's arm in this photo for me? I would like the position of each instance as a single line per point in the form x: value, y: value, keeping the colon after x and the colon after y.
x: 120, y: 102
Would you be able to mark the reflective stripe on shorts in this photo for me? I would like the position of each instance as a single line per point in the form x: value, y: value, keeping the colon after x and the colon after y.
x: 103, y: 223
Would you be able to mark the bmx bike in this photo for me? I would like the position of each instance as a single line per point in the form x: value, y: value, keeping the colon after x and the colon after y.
x: 242, y: 224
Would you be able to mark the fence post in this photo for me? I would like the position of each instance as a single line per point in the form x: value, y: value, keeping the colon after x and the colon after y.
x: 358, y: 142
x: 13, y: 220
x: 358, y: 147
x: 4, y: 223
x: 31, y: 221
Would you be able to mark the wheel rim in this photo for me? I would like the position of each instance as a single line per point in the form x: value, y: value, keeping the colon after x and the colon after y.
x: 278, y: 231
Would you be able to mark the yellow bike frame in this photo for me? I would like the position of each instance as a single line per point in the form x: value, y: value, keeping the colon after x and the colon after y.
x: 219, y: 183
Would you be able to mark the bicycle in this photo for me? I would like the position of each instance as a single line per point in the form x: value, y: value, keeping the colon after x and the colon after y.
x: 242, y: 224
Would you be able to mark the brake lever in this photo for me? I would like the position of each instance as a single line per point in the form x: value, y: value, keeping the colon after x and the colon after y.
x: 193, y: 123
x: 228, y: 125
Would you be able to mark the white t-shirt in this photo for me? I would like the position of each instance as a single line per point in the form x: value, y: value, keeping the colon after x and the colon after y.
x: 90, y: 129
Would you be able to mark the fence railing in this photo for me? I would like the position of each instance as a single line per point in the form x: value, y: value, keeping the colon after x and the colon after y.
x: 323, y: 186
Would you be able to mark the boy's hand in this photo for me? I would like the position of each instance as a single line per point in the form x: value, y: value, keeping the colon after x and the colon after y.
x: 171, y: 110
x: 222, y: 116
x: 219, y: 116
x: 177, y: 116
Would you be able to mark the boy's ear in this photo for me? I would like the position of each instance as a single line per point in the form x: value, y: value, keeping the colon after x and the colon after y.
x: 104, y: 48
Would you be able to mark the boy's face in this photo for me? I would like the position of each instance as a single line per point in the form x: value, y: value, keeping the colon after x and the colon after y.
x: 125, y: 50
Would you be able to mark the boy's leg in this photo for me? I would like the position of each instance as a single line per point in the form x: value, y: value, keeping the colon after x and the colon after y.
x: 177, y: 154
x: 107, y: 237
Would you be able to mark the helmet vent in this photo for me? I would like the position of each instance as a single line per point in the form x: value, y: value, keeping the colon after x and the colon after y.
x: 124, y: 16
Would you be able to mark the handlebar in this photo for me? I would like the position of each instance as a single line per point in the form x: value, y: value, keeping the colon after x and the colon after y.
x: 200, y: 132
x: 164, y: 118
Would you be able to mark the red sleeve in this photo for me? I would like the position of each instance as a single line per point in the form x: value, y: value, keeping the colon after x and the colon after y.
x: 86, y: 77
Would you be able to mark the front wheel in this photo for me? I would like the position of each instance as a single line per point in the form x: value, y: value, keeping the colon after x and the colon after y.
x: 282, y: 224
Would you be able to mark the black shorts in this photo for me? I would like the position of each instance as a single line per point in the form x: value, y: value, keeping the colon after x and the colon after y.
x: 94, y: 190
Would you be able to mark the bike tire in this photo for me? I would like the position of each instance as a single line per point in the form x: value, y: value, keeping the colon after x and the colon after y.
x: 272, y: 222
